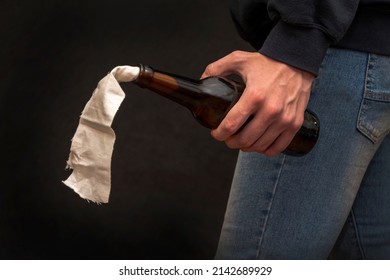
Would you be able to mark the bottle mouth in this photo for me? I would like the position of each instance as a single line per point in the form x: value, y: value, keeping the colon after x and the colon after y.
x: 144, y: 71
x: 126, y: 73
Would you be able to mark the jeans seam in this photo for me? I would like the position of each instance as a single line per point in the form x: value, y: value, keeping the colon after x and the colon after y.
x: 356, y: 230
x: 367, y: 82
x: 270, y: 206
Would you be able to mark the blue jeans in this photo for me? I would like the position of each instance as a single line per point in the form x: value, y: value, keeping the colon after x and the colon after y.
x: 335, y: 201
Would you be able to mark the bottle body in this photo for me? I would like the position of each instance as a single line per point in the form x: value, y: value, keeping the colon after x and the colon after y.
x: 210, y: 100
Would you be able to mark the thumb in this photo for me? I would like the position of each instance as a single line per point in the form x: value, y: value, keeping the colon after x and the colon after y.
x: 213, y: 69
x: 223, y: 67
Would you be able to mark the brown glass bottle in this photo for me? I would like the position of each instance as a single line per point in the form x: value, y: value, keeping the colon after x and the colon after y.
x: 210, y: 99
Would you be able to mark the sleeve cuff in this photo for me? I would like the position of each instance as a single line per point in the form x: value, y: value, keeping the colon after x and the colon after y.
x: 301, y: 47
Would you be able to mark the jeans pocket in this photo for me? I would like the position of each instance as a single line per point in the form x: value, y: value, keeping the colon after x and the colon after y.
x: 374, y: 115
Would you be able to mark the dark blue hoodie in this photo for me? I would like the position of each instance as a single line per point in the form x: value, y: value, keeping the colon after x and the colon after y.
x: 299, y: 32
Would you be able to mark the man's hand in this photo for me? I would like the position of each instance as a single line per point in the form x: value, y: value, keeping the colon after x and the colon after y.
x: 271, y: 109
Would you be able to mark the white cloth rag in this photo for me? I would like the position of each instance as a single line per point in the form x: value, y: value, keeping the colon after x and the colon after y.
x: 93, y: 143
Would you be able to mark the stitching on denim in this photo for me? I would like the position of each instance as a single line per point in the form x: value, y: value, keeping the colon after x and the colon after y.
x: 358, y: 239
x: 371, y: 96
x: 370, y: 77
x: 373, y: 92
x: 367, y: 81
x: 270, y: 206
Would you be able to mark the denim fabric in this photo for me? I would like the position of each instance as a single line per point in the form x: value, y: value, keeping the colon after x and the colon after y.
x: 335, y: 201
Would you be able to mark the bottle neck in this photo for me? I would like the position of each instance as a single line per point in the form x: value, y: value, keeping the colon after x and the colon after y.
x: 182, y: 90
x: 149, y: 78
x: 210, y: 99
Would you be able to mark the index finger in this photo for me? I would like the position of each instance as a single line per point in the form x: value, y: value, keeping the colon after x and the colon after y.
x: 233, y: 121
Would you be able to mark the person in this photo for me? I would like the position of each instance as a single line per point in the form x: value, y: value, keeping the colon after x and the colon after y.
x: 332, y: 56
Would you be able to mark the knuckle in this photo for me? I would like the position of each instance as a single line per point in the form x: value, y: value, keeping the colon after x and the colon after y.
x: 254, y: 97
x: 231, y: 144
x: 239, y: 142
x: 244, y: 142
x: 287, y: 121
x: 210, y: 69
x: 271, y: 151
x: 230, y: 126
x: 296, y: 124
x: 237, y: 54
x: 274, y: 110
x: 258, y: 99
x: 260, y: 148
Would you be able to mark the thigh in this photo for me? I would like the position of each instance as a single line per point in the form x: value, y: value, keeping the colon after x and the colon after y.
x: 366, y: 234
x: 295, y: 208
x: 371, y: 210
x: 367, y: 231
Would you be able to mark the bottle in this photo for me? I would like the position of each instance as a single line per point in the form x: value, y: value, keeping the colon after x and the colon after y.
x: 210, y: 99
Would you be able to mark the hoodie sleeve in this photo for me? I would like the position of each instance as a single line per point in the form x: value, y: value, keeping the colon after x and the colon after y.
x: 304, y: 30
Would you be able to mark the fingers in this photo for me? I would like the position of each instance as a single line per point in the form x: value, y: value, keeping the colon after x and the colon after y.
x: 276, y: 138
x: 270, y: 110
x: 267, y: 133
x: 233, y: 121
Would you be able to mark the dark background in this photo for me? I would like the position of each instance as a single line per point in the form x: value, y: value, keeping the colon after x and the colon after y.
x: 170, y: 179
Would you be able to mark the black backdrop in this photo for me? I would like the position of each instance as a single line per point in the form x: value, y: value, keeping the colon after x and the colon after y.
x: 170, y: 179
